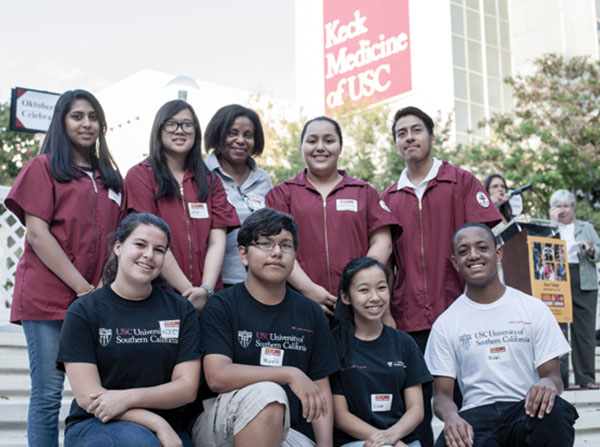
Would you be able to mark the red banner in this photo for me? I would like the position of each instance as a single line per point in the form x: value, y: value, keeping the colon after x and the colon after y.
x: 367, y: 50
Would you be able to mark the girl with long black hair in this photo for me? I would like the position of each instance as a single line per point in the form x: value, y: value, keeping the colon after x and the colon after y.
x: 174, y: 184
x: 69, y: 198
x: 377, y: 396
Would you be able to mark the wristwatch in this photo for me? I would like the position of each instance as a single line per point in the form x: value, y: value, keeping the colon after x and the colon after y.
x: 208, y: 289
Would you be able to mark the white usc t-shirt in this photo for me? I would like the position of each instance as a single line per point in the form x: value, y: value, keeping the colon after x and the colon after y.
x: 494, y: 350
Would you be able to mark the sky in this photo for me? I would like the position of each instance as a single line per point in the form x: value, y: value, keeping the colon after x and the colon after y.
x: 65, y: 44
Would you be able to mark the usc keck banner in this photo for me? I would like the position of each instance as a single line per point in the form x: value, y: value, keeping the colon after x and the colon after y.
x: 367, y: 50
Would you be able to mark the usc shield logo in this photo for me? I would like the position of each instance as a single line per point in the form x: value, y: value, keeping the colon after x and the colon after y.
x: 244, y: 337
x: 104, y: 336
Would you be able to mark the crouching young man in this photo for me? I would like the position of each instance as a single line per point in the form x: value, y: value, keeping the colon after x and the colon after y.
x: 503, y: 348
x: 268, y: 350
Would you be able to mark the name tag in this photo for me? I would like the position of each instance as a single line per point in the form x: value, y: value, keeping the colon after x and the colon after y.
x: 116, y: 196
x: 381, y: 402
x: 499, y: 354
x: 198, y: 210
x: 346, y: 205
x: 169, y: 328
x: 271, y: 357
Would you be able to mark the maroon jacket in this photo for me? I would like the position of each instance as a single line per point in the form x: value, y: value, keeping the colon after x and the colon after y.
x: 81, y: 214
x: 333, y: 232
x: 189, y: 220
x: 426, y: 282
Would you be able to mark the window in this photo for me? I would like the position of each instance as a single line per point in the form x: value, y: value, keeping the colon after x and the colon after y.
x: 481, y: 58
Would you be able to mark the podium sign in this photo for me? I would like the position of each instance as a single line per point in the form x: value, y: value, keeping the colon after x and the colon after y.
x: 549, y: 275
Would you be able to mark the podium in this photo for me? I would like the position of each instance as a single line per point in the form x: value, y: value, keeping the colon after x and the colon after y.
x: 512, y: 237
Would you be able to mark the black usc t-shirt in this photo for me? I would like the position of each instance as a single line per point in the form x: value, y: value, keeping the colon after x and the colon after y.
x: 294, y: 332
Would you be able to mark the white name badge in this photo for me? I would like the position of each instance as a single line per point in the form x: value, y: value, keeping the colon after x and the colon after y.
x: 346, y: 205
x: 116, y: 196
x: 499, y: 354
x: 271, y: 356
x: 169, y: 328
x: 198, y: 210
x: 381, y: 402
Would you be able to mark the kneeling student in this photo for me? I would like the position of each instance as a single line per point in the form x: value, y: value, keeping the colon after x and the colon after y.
x: 377, y: 394
x: 503, y: 348
x: 268, y: 350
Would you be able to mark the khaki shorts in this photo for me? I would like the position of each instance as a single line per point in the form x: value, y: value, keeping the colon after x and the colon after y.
x: 227, y: 414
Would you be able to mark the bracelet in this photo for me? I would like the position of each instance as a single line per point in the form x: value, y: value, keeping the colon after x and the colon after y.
x: 89, y: 290
x: 208, y: 289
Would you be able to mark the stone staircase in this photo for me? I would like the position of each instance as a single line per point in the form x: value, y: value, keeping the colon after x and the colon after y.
x: 14, y: 394
x: 15, y: 385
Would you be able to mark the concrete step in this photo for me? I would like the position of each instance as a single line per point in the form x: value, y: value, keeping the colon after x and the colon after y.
x: 20, y: 385
x: 11, y: 437
x: 13, y: 411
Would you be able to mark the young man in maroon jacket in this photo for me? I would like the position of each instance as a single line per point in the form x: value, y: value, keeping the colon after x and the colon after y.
x: 431, y: 200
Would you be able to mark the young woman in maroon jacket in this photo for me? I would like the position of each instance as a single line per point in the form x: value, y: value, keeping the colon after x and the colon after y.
x: 339, y: 217
x: 174, y: 184
x: 69, y: 198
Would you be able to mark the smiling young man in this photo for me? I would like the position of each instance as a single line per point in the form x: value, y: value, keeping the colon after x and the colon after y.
x: 503, y: 348
x: 268, y: 350
x: 431, y: 200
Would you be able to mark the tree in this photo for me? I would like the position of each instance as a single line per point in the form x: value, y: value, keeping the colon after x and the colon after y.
x: 552, y: 136
x: 16, y: 148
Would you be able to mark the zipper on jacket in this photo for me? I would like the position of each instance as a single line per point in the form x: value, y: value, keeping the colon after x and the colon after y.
x: 423, y: 259
x: 187, y: 223
x: 326, y: 244
x: 95, y: 256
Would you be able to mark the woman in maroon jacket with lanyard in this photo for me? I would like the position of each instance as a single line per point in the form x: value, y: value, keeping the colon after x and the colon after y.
x: 69, y: 198
x: 339, y: 217
x: 174, y: 183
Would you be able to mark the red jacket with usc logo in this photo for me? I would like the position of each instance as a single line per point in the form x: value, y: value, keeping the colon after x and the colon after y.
x: 426, y: 282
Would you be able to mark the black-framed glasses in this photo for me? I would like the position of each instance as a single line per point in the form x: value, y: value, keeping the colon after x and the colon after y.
x: 285, y: 247
x: 173, y: 126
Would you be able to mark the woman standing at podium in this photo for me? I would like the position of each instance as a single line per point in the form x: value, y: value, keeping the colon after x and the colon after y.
x: 583, y: 252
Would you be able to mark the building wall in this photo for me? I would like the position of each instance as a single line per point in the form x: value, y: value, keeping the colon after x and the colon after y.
x: 567, y: 27
x: 461, y: 51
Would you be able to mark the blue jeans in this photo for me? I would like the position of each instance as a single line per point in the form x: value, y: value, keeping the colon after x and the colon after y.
x: 506, y: 423
x: 93, y: 433
x: 46, y: 382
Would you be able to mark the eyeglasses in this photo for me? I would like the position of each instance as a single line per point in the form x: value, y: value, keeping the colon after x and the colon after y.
x: 285, y: 247
x: 246, y: 200
x: 173, y: 126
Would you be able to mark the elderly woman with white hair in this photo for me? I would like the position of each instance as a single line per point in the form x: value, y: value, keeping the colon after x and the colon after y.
x: 583, y: 248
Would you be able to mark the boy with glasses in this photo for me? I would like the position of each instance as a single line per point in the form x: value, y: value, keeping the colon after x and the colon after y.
x: 268, y: 350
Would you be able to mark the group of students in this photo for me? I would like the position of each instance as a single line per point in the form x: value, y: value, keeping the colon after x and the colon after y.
x: 131, y: 343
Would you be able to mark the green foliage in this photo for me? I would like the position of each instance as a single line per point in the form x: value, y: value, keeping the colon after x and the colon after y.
x: 551, y: 137
x: 16, y: 148
x: 287, y: 154
x: 368, y: 144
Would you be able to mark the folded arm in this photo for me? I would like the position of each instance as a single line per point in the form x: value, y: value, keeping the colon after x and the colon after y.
x: 110, y: 404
